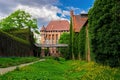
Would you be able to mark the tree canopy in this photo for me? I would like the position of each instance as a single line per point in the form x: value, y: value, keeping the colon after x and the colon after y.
x: 18, y: 20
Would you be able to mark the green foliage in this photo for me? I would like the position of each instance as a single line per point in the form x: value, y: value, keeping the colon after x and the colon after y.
x: 60, y: 59
x: 64, y: 39
x: 18, y: 20
x: 71, y: 43
x: 5, y: 34
x: 77, y: 43
x: 104, y: 22
x: 13, y: 46
x: 97, y: 72
x: 21, y: 33
x: 13, y: 61
x: 79, y: 40
x: 17, y: 34
x: 67, y: 70
x: 82, y: 42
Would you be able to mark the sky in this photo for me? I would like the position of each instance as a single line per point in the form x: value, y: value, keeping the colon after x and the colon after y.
x: 45, y: 10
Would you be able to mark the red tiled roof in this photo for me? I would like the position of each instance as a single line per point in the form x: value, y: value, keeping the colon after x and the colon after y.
x: 78, y: 22
x: 58, y: 25
x: 42, y: 29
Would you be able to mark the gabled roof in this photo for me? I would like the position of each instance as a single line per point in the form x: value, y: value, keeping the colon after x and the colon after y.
x: 43, y: 29
x: 58, y: 25
x: 79, y: 21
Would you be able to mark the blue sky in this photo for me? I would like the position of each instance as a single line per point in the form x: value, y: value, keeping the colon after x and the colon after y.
x: 45, y: 10
x: 79, y: 6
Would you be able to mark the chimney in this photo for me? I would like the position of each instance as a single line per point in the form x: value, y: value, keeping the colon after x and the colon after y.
x: 71, y: 13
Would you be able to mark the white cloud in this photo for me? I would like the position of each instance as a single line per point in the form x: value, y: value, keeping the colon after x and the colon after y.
x: 75, y: 9
x: 65, y: 13
x: 37, y: 37
x: 83, y: 12
x: 72, y: 8
x: 2, y: 16
x: 44, y: 12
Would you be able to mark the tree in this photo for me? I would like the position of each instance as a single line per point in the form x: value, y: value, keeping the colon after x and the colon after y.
x: 104, y: 25
x: 64, y: 39
x: 18, y: 20
x: 71, y: 46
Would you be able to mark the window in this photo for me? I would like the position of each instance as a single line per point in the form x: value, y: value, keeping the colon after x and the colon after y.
x: 56, y: 38
x: 49, y: 37
x: 53, y: 37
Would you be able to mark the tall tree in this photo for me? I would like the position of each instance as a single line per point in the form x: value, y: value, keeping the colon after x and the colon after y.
x: 104, y: 25
x: 71, y: 40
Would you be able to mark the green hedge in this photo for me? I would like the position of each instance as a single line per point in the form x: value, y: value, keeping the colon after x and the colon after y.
x: 104, y: 27
x: 13, y: 46
x: 21, y: 33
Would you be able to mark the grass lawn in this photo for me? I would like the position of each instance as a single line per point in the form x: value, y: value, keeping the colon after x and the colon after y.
x: 63, y: 70
x: 6, y: 62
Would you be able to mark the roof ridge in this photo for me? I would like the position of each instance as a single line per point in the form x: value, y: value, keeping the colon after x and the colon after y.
x: 57, y: 25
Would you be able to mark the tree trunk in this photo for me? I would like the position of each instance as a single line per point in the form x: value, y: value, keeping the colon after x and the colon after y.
x: 79, y: 58
x: 88, y: 46
x: 73, y: 57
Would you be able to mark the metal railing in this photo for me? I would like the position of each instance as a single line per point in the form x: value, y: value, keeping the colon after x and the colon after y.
x: 51, y: 45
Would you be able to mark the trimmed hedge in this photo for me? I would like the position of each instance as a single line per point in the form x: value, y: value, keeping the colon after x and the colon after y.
x: 104, y: 28
x: 21, y: 33
x: 13, y: 46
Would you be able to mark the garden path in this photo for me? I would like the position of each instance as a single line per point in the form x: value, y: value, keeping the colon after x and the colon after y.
x: 8, y: 69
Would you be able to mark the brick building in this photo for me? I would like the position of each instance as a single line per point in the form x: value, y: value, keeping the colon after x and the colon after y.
x: 51, y: 34
x: 79, y: 21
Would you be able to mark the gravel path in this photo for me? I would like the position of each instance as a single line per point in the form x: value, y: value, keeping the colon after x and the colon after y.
x: 5, y: 70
